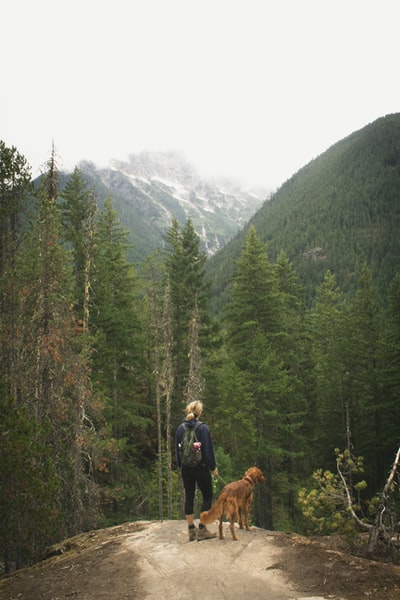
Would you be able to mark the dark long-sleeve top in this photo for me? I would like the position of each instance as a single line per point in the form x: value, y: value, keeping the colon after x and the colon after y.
x: 203, y: 435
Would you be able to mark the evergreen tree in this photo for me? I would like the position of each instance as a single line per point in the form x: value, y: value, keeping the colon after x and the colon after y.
x: 15, y: 186
x: 78, y: 209
x: 118, y: 358
x: 119, y: 369
x: 329, y: 410
x: 50, y: 370
x: 292, y: 348
x: 254, y: 326
x: 233, y: 410
x: 29, y: 488
x: 390, y: 412
x: 185, y: 269
x: 363, y: 355
x: 254, y: 307
x: 290, y: 341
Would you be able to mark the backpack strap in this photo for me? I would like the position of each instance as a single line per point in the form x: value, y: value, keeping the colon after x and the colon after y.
x: 186, y: 428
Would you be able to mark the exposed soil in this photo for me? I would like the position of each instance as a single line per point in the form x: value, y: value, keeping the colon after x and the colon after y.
x: 148, y: 560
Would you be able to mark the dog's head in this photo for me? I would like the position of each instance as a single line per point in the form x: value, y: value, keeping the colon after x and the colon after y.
x: 255, y: 474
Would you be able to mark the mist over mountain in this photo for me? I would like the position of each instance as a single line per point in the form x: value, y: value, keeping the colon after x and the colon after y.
x: 150, y: 189
x: 338, y: 212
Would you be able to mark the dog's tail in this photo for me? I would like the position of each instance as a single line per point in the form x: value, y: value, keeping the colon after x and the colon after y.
x: 225, y: 504
x: 216, y: 511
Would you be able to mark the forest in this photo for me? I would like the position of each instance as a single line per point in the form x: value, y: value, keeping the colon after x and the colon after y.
x: 339, y: 211
x: 99, y: 359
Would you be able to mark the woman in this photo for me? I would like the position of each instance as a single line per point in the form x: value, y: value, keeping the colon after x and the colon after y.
x: 199, y: 475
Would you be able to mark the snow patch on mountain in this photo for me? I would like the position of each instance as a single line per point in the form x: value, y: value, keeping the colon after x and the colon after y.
x: 155, y: 188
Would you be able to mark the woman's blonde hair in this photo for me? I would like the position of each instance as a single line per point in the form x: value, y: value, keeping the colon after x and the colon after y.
x: 194, y: 410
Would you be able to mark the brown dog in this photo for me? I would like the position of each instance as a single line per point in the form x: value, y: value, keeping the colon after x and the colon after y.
x: 234, y: 502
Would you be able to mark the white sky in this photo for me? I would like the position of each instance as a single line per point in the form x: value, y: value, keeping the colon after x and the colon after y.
x: 251, y: 89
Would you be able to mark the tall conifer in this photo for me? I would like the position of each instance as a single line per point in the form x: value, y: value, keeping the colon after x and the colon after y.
x: 119, y: 368
x: 254, y: 323
x: 185, y: 268
x: 48, y: 380
x: 329, y: 410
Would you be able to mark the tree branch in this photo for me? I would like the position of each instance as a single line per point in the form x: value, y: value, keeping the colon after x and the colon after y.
x: 367, y: 526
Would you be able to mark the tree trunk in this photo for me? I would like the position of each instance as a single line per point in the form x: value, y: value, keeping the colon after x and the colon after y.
x: 88, y: 265
x: 168, y: 383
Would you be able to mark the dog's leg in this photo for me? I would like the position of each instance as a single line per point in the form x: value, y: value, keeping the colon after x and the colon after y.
x: 232, y: 528
x: 233, y: 514
x: 221, y: 533
x: 247, y: 512
x: 221, y: 520
x: 240, y: 516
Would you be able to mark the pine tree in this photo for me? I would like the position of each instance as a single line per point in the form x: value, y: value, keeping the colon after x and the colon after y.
x: 50, y: 370
x: 78, y: 210
x: 15, y: 185
x: 329, y: 409
x: 254, y: 306
x: 391, y: 375
x: 119, y: 368
x: 118, y: 355
x: 254, y: 323
x: 363, y: 355
x: 292, y: 348
x: 29, y: 487
x: 15, y: 188
x: 185, y: 269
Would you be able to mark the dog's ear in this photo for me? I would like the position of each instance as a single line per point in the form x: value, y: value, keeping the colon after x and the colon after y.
x: 258, y: 474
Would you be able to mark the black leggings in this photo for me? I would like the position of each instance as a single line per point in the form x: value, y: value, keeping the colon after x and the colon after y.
x: 202, y: 477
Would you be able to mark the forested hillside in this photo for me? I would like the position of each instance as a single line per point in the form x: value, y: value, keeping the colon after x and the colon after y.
x: 338, y: 212
x: 97, y: 359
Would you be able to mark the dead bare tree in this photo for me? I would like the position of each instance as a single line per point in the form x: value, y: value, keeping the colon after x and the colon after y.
x: 88, y: 263
x: 195, y: 384
x: 381, y: 528
x: 156, y: 326
x: 168, y: 384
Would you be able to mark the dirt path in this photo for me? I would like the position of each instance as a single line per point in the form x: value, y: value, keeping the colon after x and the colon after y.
x: 155, y: 560
x: 174, y: 569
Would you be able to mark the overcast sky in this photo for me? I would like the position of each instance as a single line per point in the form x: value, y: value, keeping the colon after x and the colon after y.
x: 251, y: 89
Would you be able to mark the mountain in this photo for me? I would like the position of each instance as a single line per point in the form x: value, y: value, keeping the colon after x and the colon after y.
x: 339, y: 211
x: 151, y: 189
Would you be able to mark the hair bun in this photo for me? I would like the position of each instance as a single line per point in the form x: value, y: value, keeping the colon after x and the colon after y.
x: 194, y: 410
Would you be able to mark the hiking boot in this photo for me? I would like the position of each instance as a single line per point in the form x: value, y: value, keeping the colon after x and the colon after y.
x: 205, y: 534
x: 192, y: 534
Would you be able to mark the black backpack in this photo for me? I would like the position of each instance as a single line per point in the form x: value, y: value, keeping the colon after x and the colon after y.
x: 190, y: 448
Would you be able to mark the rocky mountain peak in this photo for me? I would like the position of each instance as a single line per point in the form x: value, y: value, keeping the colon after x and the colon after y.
x: 149, y: 190
x: 153, y: 165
